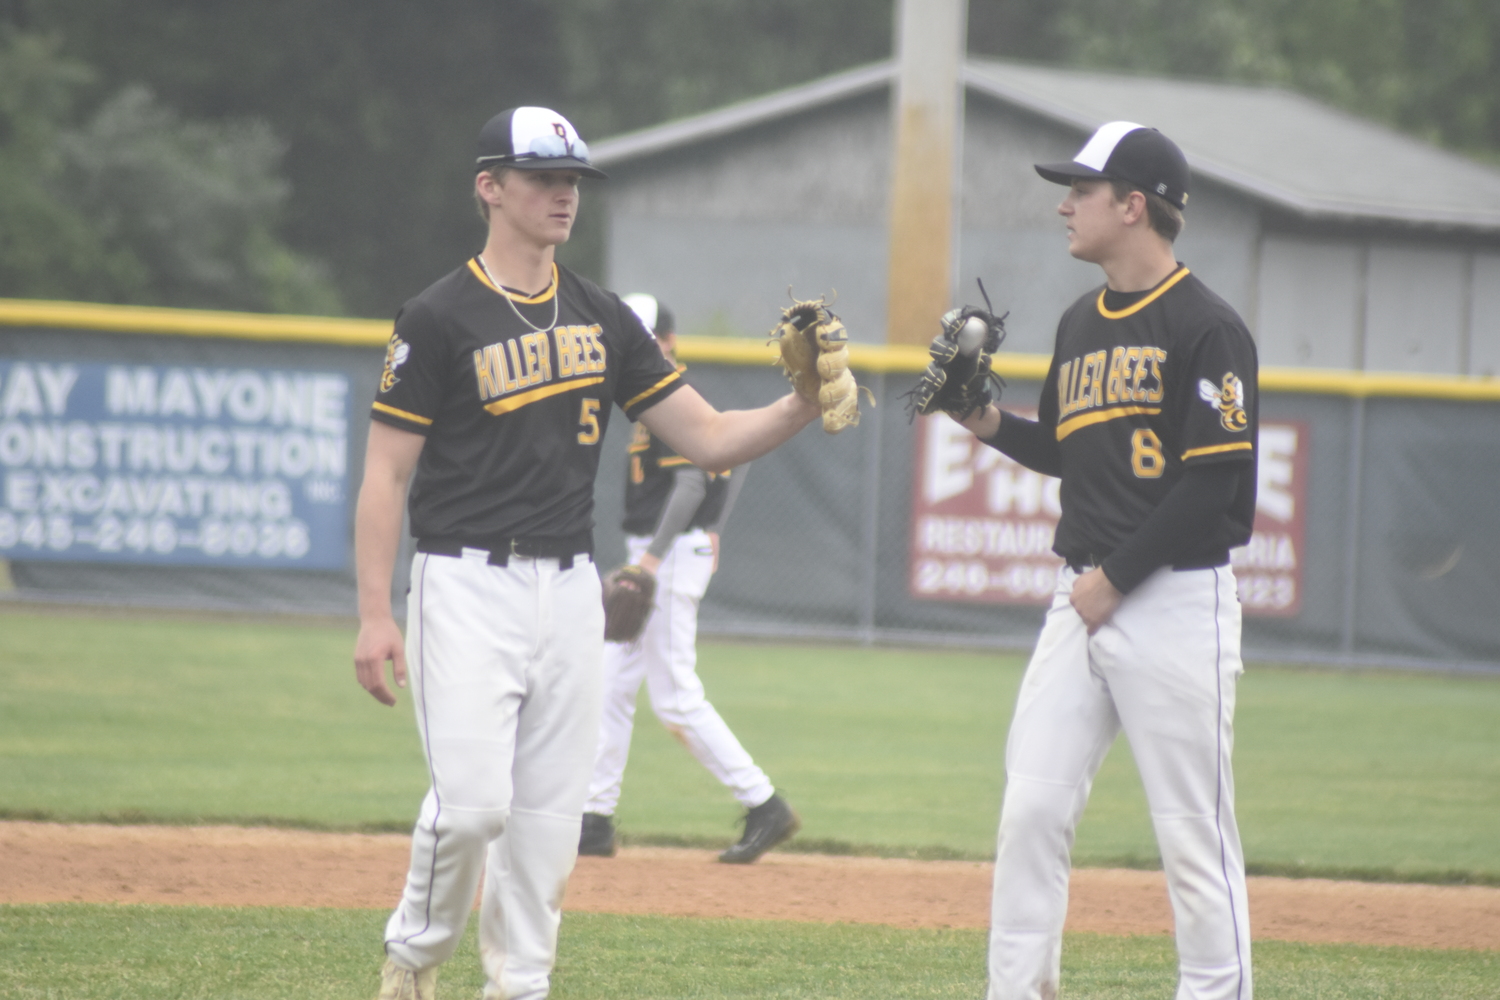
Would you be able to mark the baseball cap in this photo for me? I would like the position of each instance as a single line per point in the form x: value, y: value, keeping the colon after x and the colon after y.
x: 533, y: 139
x: 656, y: 316
x: 1125, y: 151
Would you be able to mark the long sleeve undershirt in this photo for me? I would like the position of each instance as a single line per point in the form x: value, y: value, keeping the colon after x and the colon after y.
x: 689, y: 487
x: 1188, y: 512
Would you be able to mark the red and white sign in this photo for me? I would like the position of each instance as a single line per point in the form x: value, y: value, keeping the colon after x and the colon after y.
x: 982, y: 525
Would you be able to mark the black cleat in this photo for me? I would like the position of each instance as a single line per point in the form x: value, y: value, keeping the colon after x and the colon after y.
x: 767, y: 825
x: 598, y: 836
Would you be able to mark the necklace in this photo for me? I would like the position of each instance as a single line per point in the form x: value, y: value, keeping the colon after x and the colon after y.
x: 504, y: 295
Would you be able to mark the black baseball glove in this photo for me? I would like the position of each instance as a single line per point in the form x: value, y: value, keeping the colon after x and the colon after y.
x: 958, y: 380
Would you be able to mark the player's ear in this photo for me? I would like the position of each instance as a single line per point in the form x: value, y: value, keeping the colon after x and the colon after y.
x: 488, y: 188
x: 1135, y: 208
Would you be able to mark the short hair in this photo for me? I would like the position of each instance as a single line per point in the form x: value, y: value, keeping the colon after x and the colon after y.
x: 1165, y: 218
x: 497, y: 171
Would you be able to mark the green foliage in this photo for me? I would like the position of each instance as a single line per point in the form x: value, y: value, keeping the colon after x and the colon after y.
x: 136, y: 204
x: 885, y: 751
x: 163, y: 953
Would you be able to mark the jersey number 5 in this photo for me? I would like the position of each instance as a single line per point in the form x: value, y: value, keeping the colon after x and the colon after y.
x: 1145, y: 454
x: 588, y: 419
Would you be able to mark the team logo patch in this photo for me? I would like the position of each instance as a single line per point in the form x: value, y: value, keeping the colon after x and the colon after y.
x: 1228, y: 397
x: 396, y: 354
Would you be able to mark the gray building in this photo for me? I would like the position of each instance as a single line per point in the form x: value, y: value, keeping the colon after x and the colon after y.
x: 1344, y: 244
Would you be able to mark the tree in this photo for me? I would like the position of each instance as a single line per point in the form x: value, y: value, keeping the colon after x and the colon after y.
x: 136, y: 204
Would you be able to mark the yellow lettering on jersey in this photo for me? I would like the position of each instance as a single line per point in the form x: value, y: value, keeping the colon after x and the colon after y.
x: 1157, y: 357
x: 1114, y: 387
x: 566, y: 345
x: 489, y: 379
x: 538, y: 364
x: 517, y: 369
x: 1085, y: 382
x: 526, y: 363
x: 598, y: 347
x: 1108, y: 380
x: 1133, y: 364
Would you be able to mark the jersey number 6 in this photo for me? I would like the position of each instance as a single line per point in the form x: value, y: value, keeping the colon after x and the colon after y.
x: 588, y: 419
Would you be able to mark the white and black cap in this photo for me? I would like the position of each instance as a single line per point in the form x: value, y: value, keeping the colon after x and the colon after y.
x: 653, y: 313
x: 533, y: 139
x: 1125, y: 151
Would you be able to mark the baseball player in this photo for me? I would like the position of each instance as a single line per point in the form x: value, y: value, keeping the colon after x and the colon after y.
x: 497, y: 390
x: 674, y: 514
x: 1148, y: 416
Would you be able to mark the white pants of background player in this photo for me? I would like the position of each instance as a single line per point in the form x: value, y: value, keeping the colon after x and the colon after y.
x: 504, y: 669
x: 1164, y: 670
x: 666, y: 656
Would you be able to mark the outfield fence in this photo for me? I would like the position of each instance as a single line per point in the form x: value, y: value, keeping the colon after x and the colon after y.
x: 206, y: 460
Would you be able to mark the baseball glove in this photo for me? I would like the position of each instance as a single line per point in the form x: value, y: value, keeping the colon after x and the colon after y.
x: 958, y: 380
x: 815, y: 356
x: 629, y: 596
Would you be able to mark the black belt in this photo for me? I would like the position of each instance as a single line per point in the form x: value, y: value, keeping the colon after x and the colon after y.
x: 499, y: 551
x: 1082, y: 564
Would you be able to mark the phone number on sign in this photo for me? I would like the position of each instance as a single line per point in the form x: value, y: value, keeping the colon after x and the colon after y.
x: 266, y: 539
x: 974, y: 577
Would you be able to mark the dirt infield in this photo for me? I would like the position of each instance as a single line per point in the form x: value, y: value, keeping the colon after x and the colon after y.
x: 231, y: 866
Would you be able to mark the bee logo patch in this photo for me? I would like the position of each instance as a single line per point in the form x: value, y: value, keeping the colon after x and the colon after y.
x: 1228, y: 398
x: 395, y: 356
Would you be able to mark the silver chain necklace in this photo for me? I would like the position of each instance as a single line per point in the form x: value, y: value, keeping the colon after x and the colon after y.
x: 504, y: 295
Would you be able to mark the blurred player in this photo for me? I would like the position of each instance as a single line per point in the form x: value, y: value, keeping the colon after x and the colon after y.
x: 674, y: 514
x: 1148, y: 415
x: 498, y: 386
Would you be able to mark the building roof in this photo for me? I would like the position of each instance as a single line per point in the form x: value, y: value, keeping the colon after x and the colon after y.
x: 1274, y: 145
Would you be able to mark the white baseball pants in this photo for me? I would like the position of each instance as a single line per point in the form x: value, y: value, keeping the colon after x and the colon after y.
x: 1164, y: 670
x: 504, y: 670
x: 666, y: 657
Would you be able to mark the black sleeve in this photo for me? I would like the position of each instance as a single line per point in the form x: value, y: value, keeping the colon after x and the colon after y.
x: 413, y: 384
x: 1029, y: 442
x: 1189, y: 512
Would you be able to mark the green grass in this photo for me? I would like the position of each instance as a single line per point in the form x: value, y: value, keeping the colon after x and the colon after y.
x: 82, y: 952
x: 891, y: 751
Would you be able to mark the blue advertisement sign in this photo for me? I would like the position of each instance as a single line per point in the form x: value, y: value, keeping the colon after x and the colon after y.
x: 175, y: 466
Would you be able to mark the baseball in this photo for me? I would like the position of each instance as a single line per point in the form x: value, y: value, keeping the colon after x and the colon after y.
x: 971, y: 336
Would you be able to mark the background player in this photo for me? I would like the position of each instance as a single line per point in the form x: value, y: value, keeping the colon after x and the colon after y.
x: 497, y: 390
x: 674, y: 514
x: 1148, y: 415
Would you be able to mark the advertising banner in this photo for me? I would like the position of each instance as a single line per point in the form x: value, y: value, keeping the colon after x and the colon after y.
x: 982, y: 525
x: 169, y: 465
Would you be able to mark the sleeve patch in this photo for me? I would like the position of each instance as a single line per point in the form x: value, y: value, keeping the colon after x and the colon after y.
x: 1228, y: 397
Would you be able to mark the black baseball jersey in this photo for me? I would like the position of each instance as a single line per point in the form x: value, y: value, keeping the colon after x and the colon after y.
x: 513, y: 394
x: 1141, y: 386
x: 649, y: 478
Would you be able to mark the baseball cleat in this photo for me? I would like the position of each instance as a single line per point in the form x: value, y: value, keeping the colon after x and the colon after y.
x: 598, y: 836
x: 766, y: 825
x: 397, y: 983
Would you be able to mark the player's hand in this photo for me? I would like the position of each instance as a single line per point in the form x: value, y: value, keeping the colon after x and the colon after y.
x: 1095, y: 599
x: 713, y: 543
x: 649, y: 563
x: 379, y: 641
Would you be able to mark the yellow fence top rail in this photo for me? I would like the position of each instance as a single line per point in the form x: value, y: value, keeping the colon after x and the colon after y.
x: 194, y: 322
x: 894, y: 358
